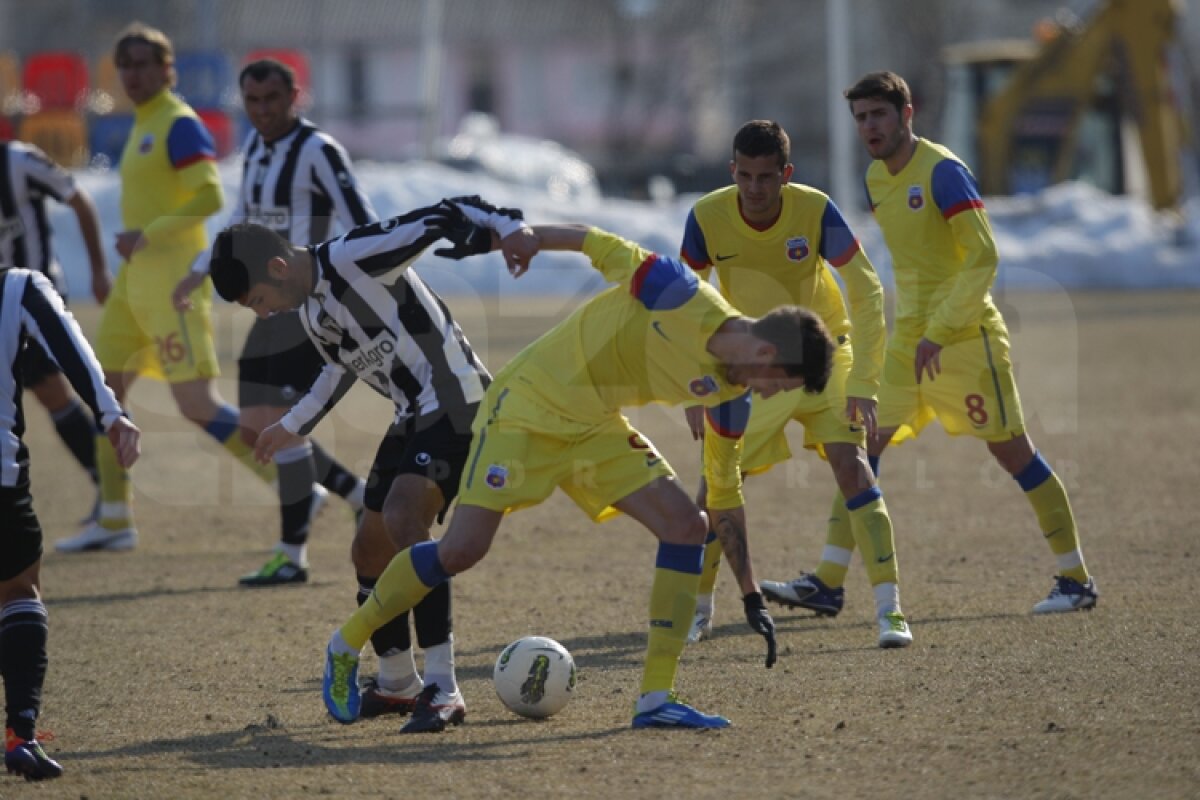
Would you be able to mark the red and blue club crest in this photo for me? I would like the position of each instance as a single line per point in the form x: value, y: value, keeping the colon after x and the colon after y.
x: 703, y: 386
x: 916, y: 199
x: 797, y: 248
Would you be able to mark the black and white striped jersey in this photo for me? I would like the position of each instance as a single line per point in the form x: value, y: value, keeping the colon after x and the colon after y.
x: 298, y: 184
x: 27, y: 178
x: 374, y: 319
x: 31, y: 308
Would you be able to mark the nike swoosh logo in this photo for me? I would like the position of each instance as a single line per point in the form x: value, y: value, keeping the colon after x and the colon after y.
x: 658, y: 329
x: 885, y: 559
x: 720, y: 257
x: 1051, y: 533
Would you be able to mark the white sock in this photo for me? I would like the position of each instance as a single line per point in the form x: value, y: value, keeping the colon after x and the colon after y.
x: 439, y: 666
x: 887, y: 598
x: 704, y: 602
x: 296, y: 553
x: 397, y: 671
x: 652, y: 700
x: 339, y: 646
x: 357, y: 495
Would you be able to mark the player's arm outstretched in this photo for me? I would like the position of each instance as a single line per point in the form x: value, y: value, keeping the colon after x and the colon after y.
x: 726, y: 507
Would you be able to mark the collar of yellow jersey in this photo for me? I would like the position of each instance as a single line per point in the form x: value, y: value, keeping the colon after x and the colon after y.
x: 152, y: 105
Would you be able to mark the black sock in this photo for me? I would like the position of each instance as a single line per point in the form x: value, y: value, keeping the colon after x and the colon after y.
x: 431, y: 617
x: 392, y: 637
x: 78, y: 432
x: 331, y: 474
x: 23, y: 663
x: 295, y: 494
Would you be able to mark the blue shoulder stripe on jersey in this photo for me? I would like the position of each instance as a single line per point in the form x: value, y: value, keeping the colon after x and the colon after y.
x: 687, y: 558
x: 188, y: 142
x: 694, y: 249
x: 731, y: 417
x: 954, y: 188
x: 867, y: 195
x: 838, y: 244
x: 662, y: 283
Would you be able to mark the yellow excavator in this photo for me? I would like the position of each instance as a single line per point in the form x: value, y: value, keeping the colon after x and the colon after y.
x: 1091, y: 101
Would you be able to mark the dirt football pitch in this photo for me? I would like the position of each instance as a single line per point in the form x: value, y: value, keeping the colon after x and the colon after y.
x: 167, y: 680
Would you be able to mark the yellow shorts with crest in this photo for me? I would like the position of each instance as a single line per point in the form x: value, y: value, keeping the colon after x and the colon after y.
x: 974, y: 394
x: 522, y: 451
x: 141, y: 332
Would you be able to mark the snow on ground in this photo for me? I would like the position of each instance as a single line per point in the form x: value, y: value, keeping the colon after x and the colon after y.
x: 1070, y: 236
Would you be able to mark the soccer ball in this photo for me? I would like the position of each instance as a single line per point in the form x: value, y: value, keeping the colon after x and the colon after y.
x: 534, y: 677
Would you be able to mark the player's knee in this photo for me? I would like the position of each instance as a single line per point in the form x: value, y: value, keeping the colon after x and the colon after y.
x: 459, y: 556
x: 690, y: 528
x: 403, y: 528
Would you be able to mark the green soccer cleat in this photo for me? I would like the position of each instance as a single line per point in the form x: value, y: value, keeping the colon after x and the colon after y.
x: 339, y: 688
x: 278, y: 571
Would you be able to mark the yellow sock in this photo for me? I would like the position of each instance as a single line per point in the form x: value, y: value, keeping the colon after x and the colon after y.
x: 116, y: 491
x: 1048, y: 497
x: 839, y: 545
x: 412, y: 574
x: 873, y: 531
x: 672, y: 604
x: 245, y: 454
x: 712, y: 563
x: 224, y: 428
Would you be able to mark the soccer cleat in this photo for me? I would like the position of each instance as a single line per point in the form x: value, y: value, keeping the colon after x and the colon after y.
x: 96, y: 537
x: 434, y: 710
x: 676, y: 714
x: 1069, y: 594
x: 807, y: 591
x: 377, y: 701
x: 893, y: 631
x: 276, y: 572
x: 701, y: 626
x: 27, y: 758
x: 339, y: 688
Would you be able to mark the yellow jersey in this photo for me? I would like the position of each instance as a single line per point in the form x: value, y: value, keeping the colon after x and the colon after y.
x: 792, y: 262
x: 943, y: 251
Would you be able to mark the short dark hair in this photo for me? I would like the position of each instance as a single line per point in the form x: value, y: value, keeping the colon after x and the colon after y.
x: 266, y: 67
x: 140, y: 33
x: 763, y: 137
x: 239, y: 258
x: 804, y: 348
x: 886, y: 86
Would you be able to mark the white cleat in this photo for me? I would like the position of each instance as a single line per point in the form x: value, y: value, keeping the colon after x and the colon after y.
x: 701, y: 626
x: 1069, y: 594
x: 893, y: 631
x: 95, y: 537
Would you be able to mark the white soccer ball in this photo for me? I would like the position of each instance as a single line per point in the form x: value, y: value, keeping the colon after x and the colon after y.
x: 534, y: 677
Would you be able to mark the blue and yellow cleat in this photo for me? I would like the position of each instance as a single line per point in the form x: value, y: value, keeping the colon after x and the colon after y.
x: 339, y: 689
x: 25, y: 757
x: 674, y: 714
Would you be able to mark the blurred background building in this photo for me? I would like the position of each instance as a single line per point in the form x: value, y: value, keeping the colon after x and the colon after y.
x: 647, y: 92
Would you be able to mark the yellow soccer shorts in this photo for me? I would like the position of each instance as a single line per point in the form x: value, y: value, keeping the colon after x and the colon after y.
x: 822, y: 415
x: 522, y: 451
x: 974, y: 394
x: 141, y: 332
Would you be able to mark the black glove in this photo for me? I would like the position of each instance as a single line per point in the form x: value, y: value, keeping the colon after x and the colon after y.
x: 449, y: 222
x: 761, y: 622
